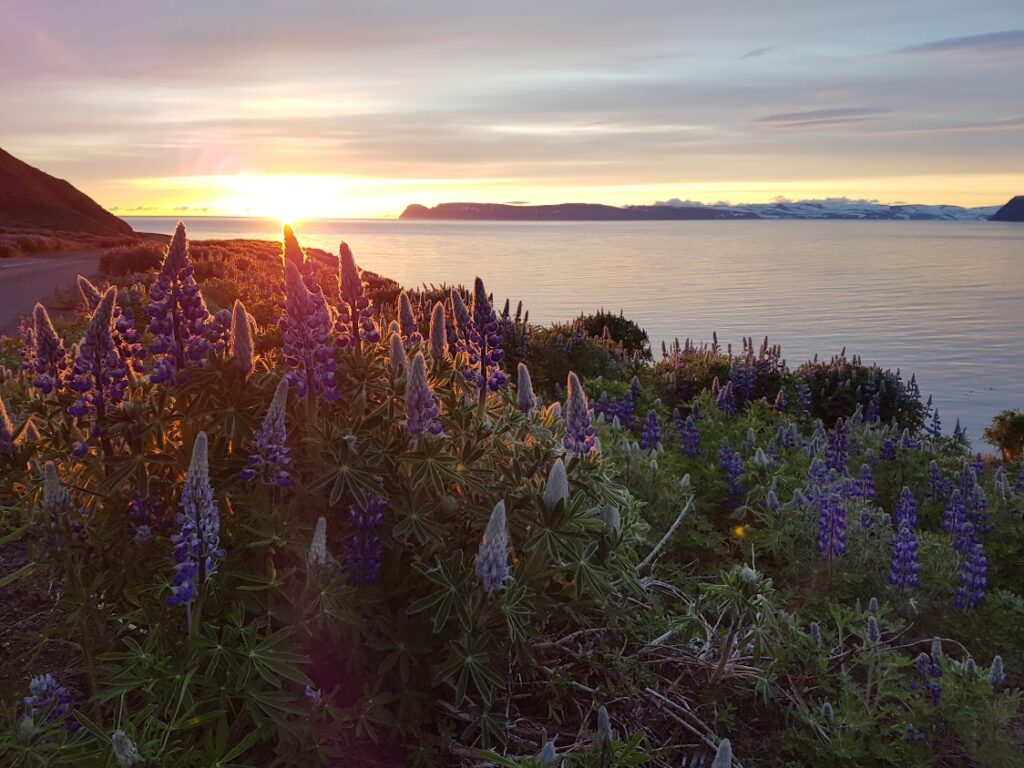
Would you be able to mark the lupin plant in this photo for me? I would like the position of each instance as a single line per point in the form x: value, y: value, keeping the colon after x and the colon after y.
x: 91, y: 295
x: 242, y: 351
x: 526, y: 400
x: 48, y: 702
x: 732, y: 465
x: 197, y: 547
x: 49, y: 359
x: 438, y: 332
x: 7, y: 445
x: 903, y: 573
x: 906, y: 508
x: 650, y: 439
x: 492, y: 566
x: 308, y: 342
x: 178, y: 316
x: 421, y: 409
x: 356, y: 313
x: 411, y: 335
x: 98, y: 376
x: 579, y: 434
x: 364, y: 556
x: 831, y: 526
x: 480, y: 338
x: 973, y: 578
x: 270, y: 455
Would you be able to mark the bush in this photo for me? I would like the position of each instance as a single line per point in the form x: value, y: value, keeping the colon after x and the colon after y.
x: 131, y: 259
x: 1006, y: 432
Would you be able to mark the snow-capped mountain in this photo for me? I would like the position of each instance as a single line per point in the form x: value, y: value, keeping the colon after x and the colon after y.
x: 843, y: 208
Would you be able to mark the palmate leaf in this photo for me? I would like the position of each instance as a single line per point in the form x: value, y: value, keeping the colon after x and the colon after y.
x: 442, y: 600
x: 469, y: 661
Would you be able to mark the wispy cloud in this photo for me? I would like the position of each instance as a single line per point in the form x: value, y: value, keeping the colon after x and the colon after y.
x: 819, y: 117
x: 1011, y: 40
x: 754, y: 53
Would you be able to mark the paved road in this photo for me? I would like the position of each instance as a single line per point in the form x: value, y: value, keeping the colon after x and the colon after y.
x: 24, y: 280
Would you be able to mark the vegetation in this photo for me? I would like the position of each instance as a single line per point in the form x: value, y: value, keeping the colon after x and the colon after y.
x: 271, y: 510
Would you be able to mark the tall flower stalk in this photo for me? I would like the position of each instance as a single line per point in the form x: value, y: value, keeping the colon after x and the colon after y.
x: 270, y: 456
x: 355, y: 317
x: 197, y: 547
x: 579, y: 434
x: 421, y: 409
x: 178, y: 317
x: 308, y: 342
x: 241, y: 340
x: 99, y: 376
x: 49, y: 364
x: 492, y: 559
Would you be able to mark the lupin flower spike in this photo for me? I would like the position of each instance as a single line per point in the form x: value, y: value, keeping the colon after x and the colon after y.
x: 91, y: 295
x: 557, y: 487
x: 548, y: 755
x: 49, y: 363
x: 125, y: 752
x: 270, y: 455
x: 99, y: 374
x: 306, y: 338
x: 492, y: 559
x: 396, y: 355
x: 355, y: 319
x: 421, y: 409
x: 612, y: 519
x: 723, y: 757
x: 317, y: 554
x: 438, y: 332
x: 603, y: 736
x: 407, y: 321
x: 241, y: 340
x: 903, y: 572
x: 579, y: 434
x: 525, y: 398
x: 6, y: 430
x: 996, y: 676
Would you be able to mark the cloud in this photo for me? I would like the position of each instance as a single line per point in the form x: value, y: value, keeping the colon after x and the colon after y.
x: 819, y: 117
x: 1011, y: 40
x: 754, y: 53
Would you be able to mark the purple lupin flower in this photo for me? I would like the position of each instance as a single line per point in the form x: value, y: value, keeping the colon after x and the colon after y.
x: 307, y: 339
x: 270, y: 455
x: 935, y: 426
x: 6, y: 431
x: 49, y: 362
x: 837, y: 449
x: 865, y: 483
x: 955, y: 514
x: 355, y: 317
x: 1019, y: 487
x: 492, y: 566
x: 931, y: 673
x: 726, y: 399
x: 831, y: 526
x: 480, y: 338
x: 148, y: 517
x: 689, y: 438
x: 49, y: 702
x: 729, y: 461
x: 579, y: 434
x: 780, y: 401
x: 1001, y: 484
x: 407, y: 321
x: 888, y: 450
x: 906, y: 508
x: 99, y: 376
x: 363, y: 556
x: 127, y: 340
x: 241, y: 340
x: 973, y: 578
x: 650, y: 437
x: 197, y: 545
x: 178, y: 316
x: 421, y: 409
x: 904, y: 568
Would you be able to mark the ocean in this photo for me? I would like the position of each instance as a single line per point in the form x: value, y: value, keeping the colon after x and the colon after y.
x: 944, y: 300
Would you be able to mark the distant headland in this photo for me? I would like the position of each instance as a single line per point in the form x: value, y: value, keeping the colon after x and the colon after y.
x: 676, y: 210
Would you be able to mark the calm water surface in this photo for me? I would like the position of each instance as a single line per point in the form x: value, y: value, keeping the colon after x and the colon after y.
x: 942, y: 299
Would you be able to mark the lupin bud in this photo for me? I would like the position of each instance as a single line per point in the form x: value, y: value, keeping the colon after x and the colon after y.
x: 970, y: 668
x: 816, y: 637
x: 827, y: 713
x: 557, y: 488
x: 317, y: 554
x: 579, y: 434
x: 421, y: 409
x: 996, y: 676
x: 872, y: 633
x: 438, y: 332
x: 603, y: 736
x: 723, y: 757
x: 873, y: 605
x: 6, y: 430
x: 612, y: 519
x: 91, y: 295
x: 396, y: 355
x: 125, y: 752
x: 937, y: 650
x: 548, y: 755
x: 526, y: 400
x: 492, y: 558
x: 56, y: 498
x: 241, y: 339
x: 761, y: 459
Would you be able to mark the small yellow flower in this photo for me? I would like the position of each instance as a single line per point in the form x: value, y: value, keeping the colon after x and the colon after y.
x: 739, y: 531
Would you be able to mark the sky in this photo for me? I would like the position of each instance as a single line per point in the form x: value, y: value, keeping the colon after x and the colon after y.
x: 340, y: 109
